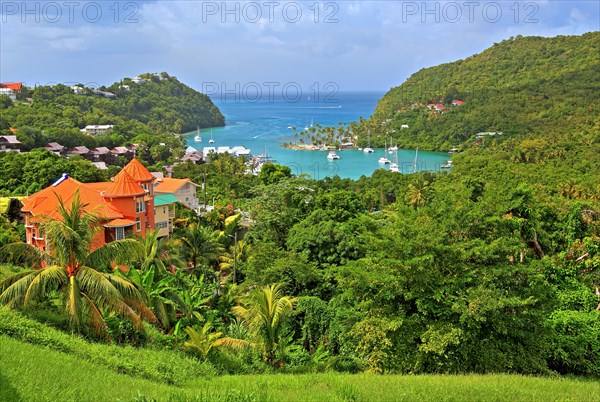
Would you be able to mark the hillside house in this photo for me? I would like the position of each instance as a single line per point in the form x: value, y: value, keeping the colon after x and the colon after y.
x: 183, y: 189
x: 9, y: 143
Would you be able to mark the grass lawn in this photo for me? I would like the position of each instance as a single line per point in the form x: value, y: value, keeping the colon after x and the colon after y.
x: 35, y: 373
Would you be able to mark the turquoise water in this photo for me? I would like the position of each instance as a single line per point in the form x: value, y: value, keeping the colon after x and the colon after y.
x: 264, y: 124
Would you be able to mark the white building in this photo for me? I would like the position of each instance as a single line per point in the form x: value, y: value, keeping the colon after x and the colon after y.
x: 97, y: 129
x: 8, y: 92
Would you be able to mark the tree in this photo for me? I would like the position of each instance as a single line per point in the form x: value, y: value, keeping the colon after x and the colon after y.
x: 417, y: 193
x: 206, y: 339
x: 265, y: 312
x: 199, y: 245
x: 86, y: 293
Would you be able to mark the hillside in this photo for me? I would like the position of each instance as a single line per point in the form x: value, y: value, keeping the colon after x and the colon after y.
x: 157, y: 105
x: 523, y: 86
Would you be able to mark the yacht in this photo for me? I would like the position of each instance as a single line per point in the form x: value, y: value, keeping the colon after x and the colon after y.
x: 368, y: 149
x: 211, y: 141
x: 392, y: 149
x: 394, y: 165
x: 197, y: 138
x: 447, y: 165
x: 332, y: 156
x: 384, y: 160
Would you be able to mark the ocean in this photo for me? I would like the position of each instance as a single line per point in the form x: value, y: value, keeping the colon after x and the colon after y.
x: 263, y: 125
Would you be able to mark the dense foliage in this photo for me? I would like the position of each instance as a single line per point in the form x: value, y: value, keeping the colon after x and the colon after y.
x: 147, y: 113
x: 491, y: 267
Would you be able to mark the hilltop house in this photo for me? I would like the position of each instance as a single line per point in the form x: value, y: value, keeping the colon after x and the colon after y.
x: 55, y: 147
x: 125, y: 205
x: 97, y: 129
x: 9, y: 143
x: 10, y: 89
x: 183, y: 189
x: 81, y: 151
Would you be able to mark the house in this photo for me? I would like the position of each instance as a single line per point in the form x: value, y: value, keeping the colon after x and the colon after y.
x: 125, y: 206
x: 457, y: 102
x: 139, y: 80
x: 81, y: 151
x: 240, y: 150
x: 78, y: 90
x: 8, y: 92
x: 100, y: 165
x: 124, y: 152
x: 9, y: 143
x: 183, y: 189
x: 488, y: 134
x: 104, y: 93
x: 97, y: 129
x: 164, y: 213
x: 194, y: 157
x: 55, y: 147
x: 437, y: 106
x: 10, y: 89
x: 101, y: 154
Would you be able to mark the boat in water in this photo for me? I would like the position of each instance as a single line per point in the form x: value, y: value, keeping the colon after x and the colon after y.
x: 211, y: 141
x: 384, y: 160
x: 368, y: 149
x: 332, y: 155
x: 447, y: 165
x: 197, y: 138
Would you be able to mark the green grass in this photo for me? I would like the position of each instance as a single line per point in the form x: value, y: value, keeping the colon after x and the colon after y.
x: 37, y: 373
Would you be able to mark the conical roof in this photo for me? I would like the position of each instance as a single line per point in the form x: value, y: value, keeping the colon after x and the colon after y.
x: 124, y: 186
x: 138, y: 171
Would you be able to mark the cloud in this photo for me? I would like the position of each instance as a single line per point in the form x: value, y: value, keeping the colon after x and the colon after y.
x: 361, y: 44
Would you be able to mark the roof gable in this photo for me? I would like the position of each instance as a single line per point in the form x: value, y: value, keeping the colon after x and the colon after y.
x: 138, y: 171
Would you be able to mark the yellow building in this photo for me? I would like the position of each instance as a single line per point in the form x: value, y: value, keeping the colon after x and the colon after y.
x: 164, y: 213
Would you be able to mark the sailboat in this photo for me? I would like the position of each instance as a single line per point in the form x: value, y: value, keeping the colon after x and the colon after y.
x: 368, y: 149
x: 197, y: 138
x: 394, y: 165
x: 311, y: 122
x: 415, y: 161
x: 306, y: 127
x: 384, y: 160
x: 211, y: 141
x: 392, y: 149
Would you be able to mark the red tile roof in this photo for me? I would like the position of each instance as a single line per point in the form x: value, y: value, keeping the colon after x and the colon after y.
x: 124, y: 186
x: 15, y: 86
x: 169, y: 185
x: 46, y: 201
x: 138, y: 171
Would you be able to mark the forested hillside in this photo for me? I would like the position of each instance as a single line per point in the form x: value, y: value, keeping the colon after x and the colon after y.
x: 148, y: 112
x: 524, y: 87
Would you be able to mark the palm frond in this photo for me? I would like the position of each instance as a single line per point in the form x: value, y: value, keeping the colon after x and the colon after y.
x: 25, y: 255
x: 50, y: 278
x: 120, y: 252
x: 14, y: 289
x: 96, y: 320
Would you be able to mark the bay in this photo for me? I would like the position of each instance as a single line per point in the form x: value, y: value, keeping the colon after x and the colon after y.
x: 263, y: 125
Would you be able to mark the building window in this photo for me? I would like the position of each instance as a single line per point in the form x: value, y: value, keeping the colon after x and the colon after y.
x: 119, y: 233
x: 138, y: 224
x: 164, y: 210
x: 161, y: 225
x: 139, y: 205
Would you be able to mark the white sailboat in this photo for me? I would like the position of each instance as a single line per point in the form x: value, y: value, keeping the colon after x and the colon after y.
x: 211, y: 141
x: 394, y: 165
x: 415, y: 161
x: 368, y: 149
x: 384, y: 160
x: 197, y: 138
x: 392, y: 149
x: 306, y: 127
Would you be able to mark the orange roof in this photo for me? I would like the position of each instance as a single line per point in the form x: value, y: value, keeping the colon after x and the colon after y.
x: 124, y: 186
x: 138, y: 171
x: 169, y: 185
x: 119, y: 223
x: 15, y: 86
x: 12, y: 129
x: 46, y: 201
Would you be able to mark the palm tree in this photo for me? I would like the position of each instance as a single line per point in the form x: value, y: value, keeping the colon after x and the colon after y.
x: 265, y: 312
x: 206, y: 339
x: 87, y: 294
x: 159, y: 254
x: 417, y: 193
x: 237, y: 254
x: 199, y: 245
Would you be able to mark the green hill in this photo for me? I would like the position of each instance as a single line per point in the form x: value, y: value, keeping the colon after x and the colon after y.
x: 546, y: 87
x: 157, y: 105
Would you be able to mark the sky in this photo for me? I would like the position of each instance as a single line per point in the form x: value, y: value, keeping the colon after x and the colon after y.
x: 272, y: 46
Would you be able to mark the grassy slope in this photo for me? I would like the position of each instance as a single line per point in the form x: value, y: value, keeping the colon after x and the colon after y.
x: 34, y: 373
